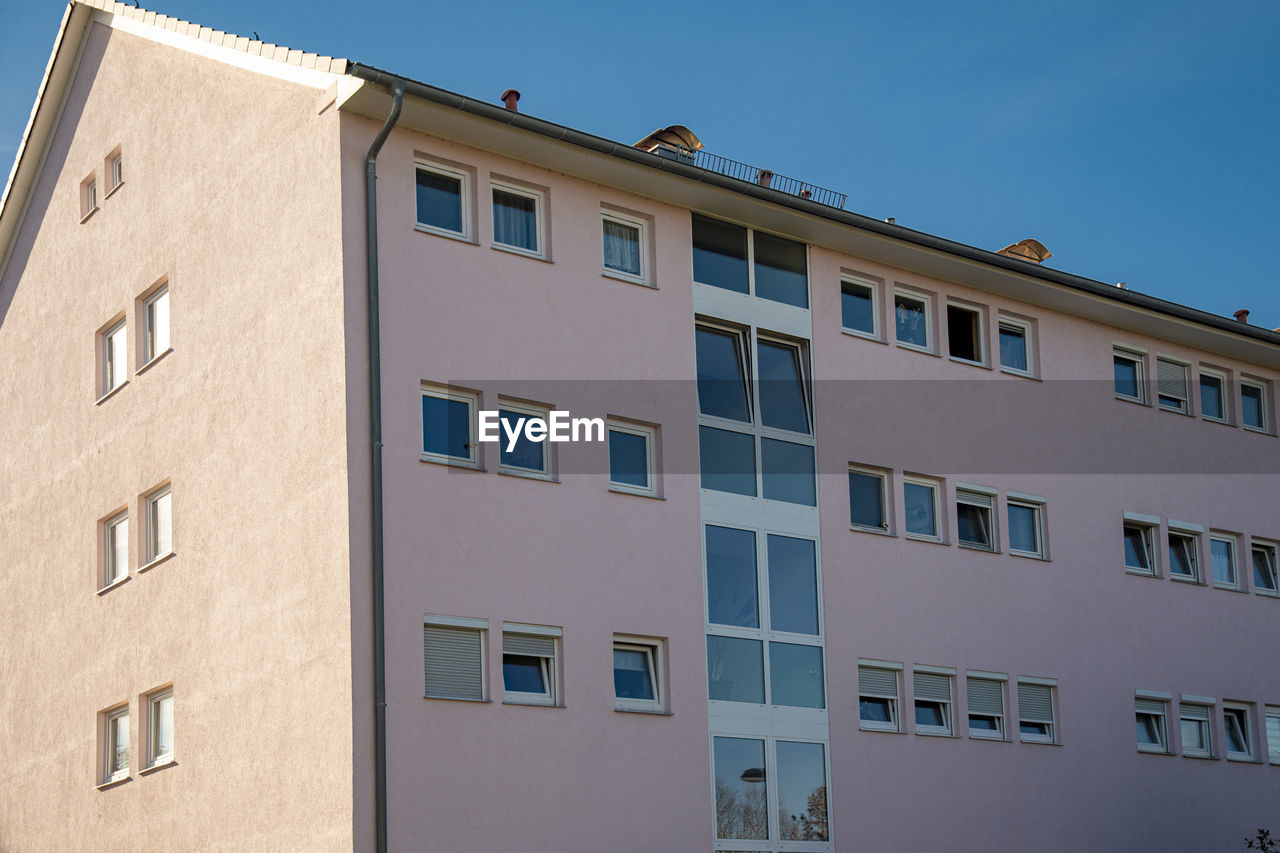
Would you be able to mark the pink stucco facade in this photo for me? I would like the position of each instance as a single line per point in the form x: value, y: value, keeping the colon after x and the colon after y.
x: 245, y: 190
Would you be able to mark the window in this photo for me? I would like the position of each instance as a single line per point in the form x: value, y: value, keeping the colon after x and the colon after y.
x: 631, y: 458
x: 756, y: 778
x: 775, y: 268
x: 921, y: 506
x: 1253, y: 410
x: 965, y: 338
x: 1213, y: 398
x: 115, y: 357
x: 986, y: 706
x: 867, y: 505
x: 115, y: 169
x: 1171, y: 385
x: 1015, y: 346
x: 1026, y: 528
x: 529, y: 664
x: 1150, y: 715
x: 453, y: 655
x: 1184, y: 555
x: 763, y: 619
x: 1238, y: 723
x: 116, y: 745
x: 1197, y: 741
x: 637, y: 685
x: 1264, y: 568
x: 443, y: 198
x: 973, y: 519
x: 1139, y: 556
x: 156, y: 325
x: 159, y: 524
x: 911, y: 316
x: 449, y: 425
x: 1129, y: 376
x: 625, y: 244
x: 933, y: 701
x: 1035, y: 711
x: 88, y: 197
x: 115, y: 549
x: 518, y: 219
x: 527, y: 457
x: 859, y: 309
x: 878, y: 697
x: 1273, y: 734
x: 1222, y: 550
x: 159, y: 728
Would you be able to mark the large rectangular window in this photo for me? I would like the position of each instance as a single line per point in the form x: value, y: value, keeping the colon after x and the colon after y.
x: 770, y: 789
x: 745, y: 261
x: 518, y: 219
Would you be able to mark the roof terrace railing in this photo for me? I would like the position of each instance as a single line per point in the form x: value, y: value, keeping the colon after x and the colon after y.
x: 704, y: 159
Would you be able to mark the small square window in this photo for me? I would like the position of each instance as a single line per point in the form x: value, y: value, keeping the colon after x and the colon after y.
x: 637, y: 675
x: 1171, y: 385
x: 115, y: 549
x: 449, y: 425
x: 859, y: 308
x: 1026, y: 528
x: 160, y: 728
x: 518, y: 219
x: 453, y: 657
x: 524, y: 456
x: 1222, y: 550
x: 159, y: 524
x: 1015, y: 346
x: 1153, y: 733
x: 787, y: 472
x: 1238, y: 722
x: 156, y: 325
x: 1273, y: 734
x: 781, y: 269
x: 965, y: 338
x: 1035, y: 712
x: 529, y: 664
x: 986, y: 707
x: 878, y: 698
x: 625, y: 247
x: 867, y: 504
x: 1264, y: 568
x: 1184, y: 556
x: 911, y: 318
x: 1253, y: 405
x: 1130, y: 377
x: 1213, y: 396
x: 116, y: 744
x: 973, y: 519
x: 631, y: 458
x: 920, y: 500
x: 115, y: 357
x: 1139, y: 554
x: 1197, y: 740
x: 442, y: 196
x: 932, y: 702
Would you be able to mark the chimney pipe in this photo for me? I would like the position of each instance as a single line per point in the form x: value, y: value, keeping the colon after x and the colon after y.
x: 509, y: 98
x: 764, y: 177
x: 1243, y: 315
x: 805, y: 194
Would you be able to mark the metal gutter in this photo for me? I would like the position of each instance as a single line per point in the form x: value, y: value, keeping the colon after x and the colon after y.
x: 622, y: 151
x: 375, y: 448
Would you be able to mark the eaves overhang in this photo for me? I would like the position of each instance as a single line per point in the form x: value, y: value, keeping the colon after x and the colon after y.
x: 439, y: 112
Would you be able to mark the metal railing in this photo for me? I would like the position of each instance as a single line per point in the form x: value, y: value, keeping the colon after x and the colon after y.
x: 753, y: 174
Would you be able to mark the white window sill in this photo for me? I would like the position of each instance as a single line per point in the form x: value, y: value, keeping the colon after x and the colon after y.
x: 458, y: 699
x: 147, y: 366
x: 618, y: 275
x: 1258, y: 430
x: 87, y: 216
x: 1171, y: 410
x: 920, y: 537
x: 527, y: 475
x: 112, y: 191
x: 115, y: 583
x: 864, y: 727
x: 440, y: 232
x: 1186, y: 579
x: 991, y: 738
x: 159, y: 764
x: 107, y: 396
x: 1222, y: 421
x: 450, y: 462
x: 1019, y: 373
x: 652, y: 712
x: 157, y: 561
x: 1200, y: 756
x: 1028, y: 555
x: 934, y: 734
x: 876, y: 531
x: 1240, y: 758
x: 1139, y: 573
x: 524, y: 253
x: 969, y: 363
x: 923, y: 350
x: 634, y: 492
x: 1269, y: 593
x: 113, y: 782
x: 1026, y: 739
x: 866, y: 336
x: 1136, y: 400
x: 530, y: 703
x: 1228, y: 587
x: 973, y: 546
x: 1152, y: 750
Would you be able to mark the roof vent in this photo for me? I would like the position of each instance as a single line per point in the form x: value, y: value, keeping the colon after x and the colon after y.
x: 510, y: 98
x: 1243, y: 315
x: 1027, y: 250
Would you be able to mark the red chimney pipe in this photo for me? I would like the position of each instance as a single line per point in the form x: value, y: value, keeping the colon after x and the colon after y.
x: 1243, y: 315
x: 509, y: 98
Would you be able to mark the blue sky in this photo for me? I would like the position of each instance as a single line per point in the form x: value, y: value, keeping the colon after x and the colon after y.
x: 1138, y: 141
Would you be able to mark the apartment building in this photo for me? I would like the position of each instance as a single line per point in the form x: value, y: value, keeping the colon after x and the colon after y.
x: 882, y: 542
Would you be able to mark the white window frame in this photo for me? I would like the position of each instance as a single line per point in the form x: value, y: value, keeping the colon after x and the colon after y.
x: 550, y: 665
x: 641, y: 225
x: 650, y: 436
x: 150, y: 325
x: 154, y: 758
x: 88, y: 196
x: 1271, y: 553
x: 1233, y: 544
x: 1139, y: 358
x: 1024, y: 326
x: 895, y: 717
x: 1154, y: 705
x: 883, y: 476
x: 539, y: 214
x: 110, y: 773
x: 1001, y: 681
x: 947, y: 729
x: 866, y: 284
x: 1203, y: 716
x: 1051, y: 736
x: 112, y: 573
x: 1167, y: 363
x: 1271, y: 712
x: 1194, y: 534
x: 115, y: 358
x: 528, y: 410
x: 458, y: 395
x: 652, y: 649
x: 152, y: 501
x: 984, y: 500
x: 980, y: 326
x: 480, y: 627
x: 1242, y: 715
x: 936, y: 486
x: 1036, y: 505
x: 1224, y: 394
x: 1261, y: 388
x: 1149, y: 526
x: 115, y: 168
x: 930, y: 334
x: 464, y: 197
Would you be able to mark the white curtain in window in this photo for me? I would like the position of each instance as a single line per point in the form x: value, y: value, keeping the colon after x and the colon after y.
x: 515, y: 220
x: 621, y: 247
